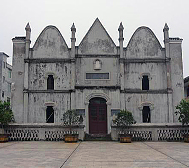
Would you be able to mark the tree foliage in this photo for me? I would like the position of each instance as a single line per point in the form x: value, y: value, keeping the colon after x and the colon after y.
x: 124, y: 118
x: 70, y: 118
x: 182, y: 109
x: 6, y: 114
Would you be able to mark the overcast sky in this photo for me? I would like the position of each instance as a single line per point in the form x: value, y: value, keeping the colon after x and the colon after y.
x: 62, y: 13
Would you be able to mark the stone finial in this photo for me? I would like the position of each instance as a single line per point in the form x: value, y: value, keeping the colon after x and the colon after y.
x: 120, y: 27
x: 166, y: 28
x: 27, y: 28
x: 73, y: 28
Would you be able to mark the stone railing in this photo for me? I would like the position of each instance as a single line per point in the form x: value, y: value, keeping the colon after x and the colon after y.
x: 152, y: 132
x: 41, y: 132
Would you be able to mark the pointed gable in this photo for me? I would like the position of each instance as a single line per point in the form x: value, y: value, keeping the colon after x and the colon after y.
x: 50, y: 44
x: 97, y: 41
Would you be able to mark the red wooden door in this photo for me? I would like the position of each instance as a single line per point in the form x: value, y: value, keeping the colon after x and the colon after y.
x: 97, y: 116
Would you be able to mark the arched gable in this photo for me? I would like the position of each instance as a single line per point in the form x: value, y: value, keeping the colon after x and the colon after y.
x: 50, y: 44
x: 144, y: 44
x: 97, y: 41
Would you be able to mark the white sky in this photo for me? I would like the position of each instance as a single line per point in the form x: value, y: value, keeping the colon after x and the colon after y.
x: 62, y: 13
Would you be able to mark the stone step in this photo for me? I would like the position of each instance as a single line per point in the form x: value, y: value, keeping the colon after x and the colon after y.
x: 97, y: 137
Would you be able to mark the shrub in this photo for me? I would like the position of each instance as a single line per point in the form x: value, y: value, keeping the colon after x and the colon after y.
x: 124, y: 118
x: 71, y: 118
x: 183, y: 112
x: 6, y: 114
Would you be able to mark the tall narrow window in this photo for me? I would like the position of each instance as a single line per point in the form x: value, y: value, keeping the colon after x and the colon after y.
x: 50, y: 114
x: 50, y: 82
x: 145, y: 82
x: 188, y: 91
x: 146, y: 114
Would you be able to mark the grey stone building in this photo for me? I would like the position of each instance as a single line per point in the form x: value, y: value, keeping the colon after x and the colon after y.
x: 5, y: 78
x: 97, y: 78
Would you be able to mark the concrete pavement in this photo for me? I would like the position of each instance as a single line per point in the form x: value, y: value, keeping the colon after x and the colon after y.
x: 91, y: 154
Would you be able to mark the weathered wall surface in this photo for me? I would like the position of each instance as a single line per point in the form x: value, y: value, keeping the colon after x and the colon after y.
x: 144, y: 44
x: 86, y: 65
x: 37, y: 106
x: 18, y: 79
x: 155, y: 71
x: 38, y: 73
x: 97, y: 41
x: 50, y: 44
x: 158, y: 103
x: 176, y: 74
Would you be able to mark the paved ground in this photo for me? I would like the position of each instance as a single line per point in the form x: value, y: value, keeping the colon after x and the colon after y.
x: 94, y: 155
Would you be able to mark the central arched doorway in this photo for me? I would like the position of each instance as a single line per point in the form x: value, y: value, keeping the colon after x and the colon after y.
x: 97, y: 116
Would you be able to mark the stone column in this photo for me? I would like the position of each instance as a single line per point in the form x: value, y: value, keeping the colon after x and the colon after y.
x: 72, y: 82
x: 26, y: 73
x: 121, y: 39
x: 168, y: 68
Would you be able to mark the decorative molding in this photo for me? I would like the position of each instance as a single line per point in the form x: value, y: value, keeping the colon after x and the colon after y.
x: 144, y: 60
x: 97, y: 64
x: 139, y: 91
x: 48, y: 91
x: 98, y: 94
x: 151, y: 105
x: 98, y: 87
x: 49, y: 60
x: 50, y: 73
x: 97, y: 56
x: 145, y: 74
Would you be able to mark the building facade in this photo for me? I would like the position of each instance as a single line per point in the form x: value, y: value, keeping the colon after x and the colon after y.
x: 5, y: 78
x: 97, y: 78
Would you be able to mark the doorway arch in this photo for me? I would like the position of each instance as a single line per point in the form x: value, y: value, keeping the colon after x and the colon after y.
x: 97, y: 116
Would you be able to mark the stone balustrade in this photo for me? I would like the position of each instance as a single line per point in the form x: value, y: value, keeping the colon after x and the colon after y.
x: 41, y: 132
x: 152, y: 132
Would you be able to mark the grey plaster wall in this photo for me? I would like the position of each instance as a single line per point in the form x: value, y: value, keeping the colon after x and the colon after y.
x: 38, y: 103
x: 157, y: 102
x: 50, y: 44
x: 18, y: 79
x: 176, y: 74
x: 155, y: 71
x: 86, y: 65
x: 38, y: 73
x: 97, y: 41
x: 144, y: 44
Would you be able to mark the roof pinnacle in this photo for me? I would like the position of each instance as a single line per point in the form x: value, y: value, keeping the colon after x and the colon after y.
x: 120, y: 27
x: 166, y: 28
x: 27, y: 28
x: 73, y: 28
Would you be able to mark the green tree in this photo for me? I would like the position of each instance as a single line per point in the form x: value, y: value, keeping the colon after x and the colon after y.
x: 6, y: 114
x: 182, y: 109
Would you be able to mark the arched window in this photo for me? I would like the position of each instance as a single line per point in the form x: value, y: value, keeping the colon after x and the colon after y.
x: 49, y: 114
x: 50, y: 82
x: 145, y: 82
x: 146, y: 114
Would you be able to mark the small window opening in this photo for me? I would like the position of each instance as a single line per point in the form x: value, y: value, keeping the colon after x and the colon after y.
x: 145, y: 83
x: 188, y: 91
x: 50, y: 82
x: 8, y: 99
x: 49, y: 114
x: 146, y: 114
x: 3, y: 93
